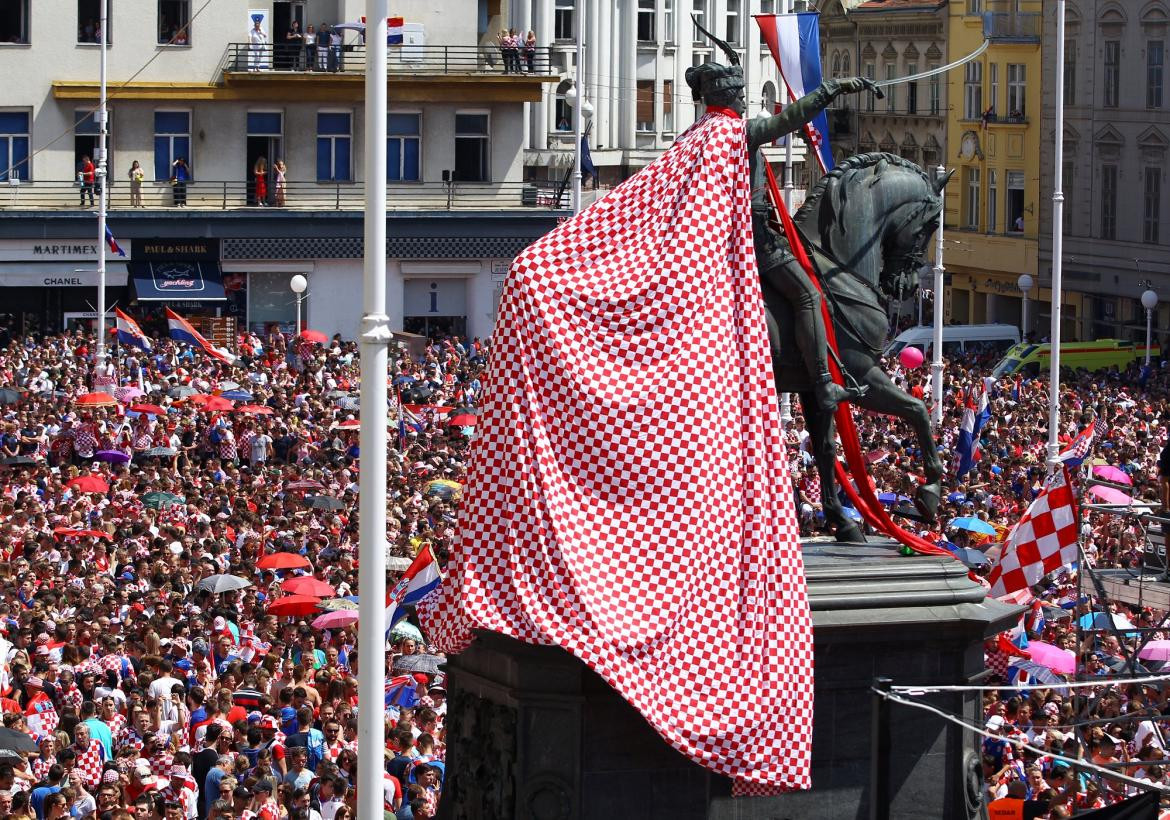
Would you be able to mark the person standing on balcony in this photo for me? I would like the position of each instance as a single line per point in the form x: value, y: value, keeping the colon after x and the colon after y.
x: 335, y: 63
x: 86, y: 175
x: 502, y: 40
x: 136, y: 175
x: 257, y: 45
x: 279, y: 182
x: 260, y: 174
x: 294, y: 40
x: 322, y: 47
x: 530, y: 51
x: 180, y: 174
x: 310, y: 41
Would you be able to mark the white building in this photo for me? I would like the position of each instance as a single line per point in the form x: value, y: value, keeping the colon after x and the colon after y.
x: 185, y: 80
x: 636, y: 55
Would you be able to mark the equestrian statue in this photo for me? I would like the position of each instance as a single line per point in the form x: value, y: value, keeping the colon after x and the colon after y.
x: 865, y: 226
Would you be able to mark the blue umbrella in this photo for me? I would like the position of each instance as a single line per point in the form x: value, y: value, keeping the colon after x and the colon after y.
x: 237, y: 395
x: 892, y: 498
x: 404, y: 380
x: 852, y: 513
x: 972, y: 524
x: 957, y: 498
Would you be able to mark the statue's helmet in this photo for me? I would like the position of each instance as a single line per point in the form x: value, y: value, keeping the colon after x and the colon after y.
x: 713, y: 83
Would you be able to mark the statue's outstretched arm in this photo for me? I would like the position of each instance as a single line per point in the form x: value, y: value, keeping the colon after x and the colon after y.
x: 762, y: 130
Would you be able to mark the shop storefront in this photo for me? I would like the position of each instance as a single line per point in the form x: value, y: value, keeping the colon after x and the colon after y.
x: 185, y: 275
x: 49, y: 285
x: 434, y: 305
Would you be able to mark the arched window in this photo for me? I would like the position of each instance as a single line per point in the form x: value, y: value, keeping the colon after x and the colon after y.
x: 836, y: 64
x: 846, y: 65
x: 768, y: 97
x: 562, y: 111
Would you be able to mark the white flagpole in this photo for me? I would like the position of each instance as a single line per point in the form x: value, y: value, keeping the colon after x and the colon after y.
x: 375, y: 339
x: 1057, y: 244
x: 100, y: 176
x: 936, y: 361
x: 787, y: 193
x: 578, y: 108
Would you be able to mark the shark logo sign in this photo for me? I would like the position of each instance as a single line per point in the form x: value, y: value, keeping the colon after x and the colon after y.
x: 172, y: 276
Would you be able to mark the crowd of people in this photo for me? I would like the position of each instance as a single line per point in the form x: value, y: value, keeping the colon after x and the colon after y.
x: 146, y: 691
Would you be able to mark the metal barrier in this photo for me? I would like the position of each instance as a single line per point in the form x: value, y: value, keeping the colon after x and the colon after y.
x: 224, y: 195
x: 406, y: 59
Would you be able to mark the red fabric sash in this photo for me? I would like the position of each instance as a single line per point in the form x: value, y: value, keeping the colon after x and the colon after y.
x: 863, y: 497
x: 725, y: 111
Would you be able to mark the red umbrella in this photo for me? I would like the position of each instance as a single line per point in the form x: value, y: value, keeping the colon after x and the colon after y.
x: 68, y: 532
x: 463, y: 420
x: 314, y: 336
x: 216, y: 404
x: 308, y: 585
x: 149, y: 409
x: 282, y: 560
x: 89, y: 484
x: 292, y: 605
x: 254, y: 409
x: 95, y: 400
x: 196, y: 398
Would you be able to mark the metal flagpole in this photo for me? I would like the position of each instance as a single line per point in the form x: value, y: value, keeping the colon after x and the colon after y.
x: 100, y: 176
x: 578, y: 108
x: 786, y: 193
x: 375, y: 340
x: 936, y: 362
x: 1057, y: 244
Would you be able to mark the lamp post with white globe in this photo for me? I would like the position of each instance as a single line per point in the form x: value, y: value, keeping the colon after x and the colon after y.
x: 1024, y: 283
x: 581, y: 113
x: 1149, y: 302
x: 299, y: 284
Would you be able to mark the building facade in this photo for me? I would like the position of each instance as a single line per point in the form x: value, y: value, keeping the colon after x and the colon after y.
x: 188, y: 81
x: 1116, y: 138
x: 993, y: 207
x: 885, y: 40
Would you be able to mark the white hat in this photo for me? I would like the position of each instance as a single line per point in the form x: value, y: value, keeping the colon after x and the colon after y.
x: 995, y: 722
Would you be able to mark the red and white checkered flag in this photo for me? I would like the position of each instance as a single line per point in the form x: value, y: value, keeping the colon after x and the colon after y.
x: 1043, y: 541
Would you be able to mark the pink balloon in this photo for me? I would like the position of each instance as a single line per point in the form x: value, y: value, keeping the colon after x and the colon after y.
x: 910, y: 357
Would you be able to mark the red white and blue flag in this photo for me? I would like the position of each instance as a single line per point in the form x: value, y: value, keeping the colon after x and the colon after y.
x: 1075, y: 454
x: 974, y: 417
x: 41, y: 716
x: 182, y: 331
x: 795, y: 43
x: 394, y: 30
x: 420, y: 578
x: 401, y: 692
x: 113, y: 243
x: 129, y: 333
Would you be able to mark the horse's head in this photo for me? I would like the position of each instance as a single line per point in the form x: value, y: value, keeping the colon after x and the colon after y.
x: 875, y: 214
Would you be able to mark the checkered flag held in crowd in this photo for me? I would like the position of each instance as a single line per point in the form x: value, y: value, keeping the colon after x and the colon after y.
x: 1043, y: 541
x: 1075, y: 454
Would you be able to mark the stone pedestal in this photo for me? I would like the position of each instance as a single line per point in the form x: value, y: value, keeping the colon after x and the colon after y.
x: 535, y: 735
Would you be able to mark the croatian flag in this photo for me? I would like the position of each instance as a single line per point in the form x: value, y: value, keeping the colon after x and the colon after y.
x: 181, y: 329
x: 401, y: 692
x: 41, y: 716
x: 416, y: 583
x: 113, y: 243
x: 394, y: 29
x: 1075, y: 454
x: 974, y: 417
x: 129, y: 333
x: 795, y: 42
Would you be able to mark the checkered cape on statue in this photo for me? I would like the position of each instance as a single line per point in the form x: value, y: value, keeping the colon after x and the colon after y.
x: 626, y: 498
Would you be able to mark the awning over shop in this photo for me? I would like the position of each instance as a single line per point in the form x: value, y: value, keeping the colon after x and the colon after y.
x: 177, y: 281
x: 61, y: 275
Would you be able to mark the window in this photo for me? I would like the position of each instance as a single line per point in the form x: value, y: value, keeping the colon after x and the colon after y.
x: 766, y: 7
x: 1154, y: 63
x: 172, y: 139
x: 734, y: 23
x: 935, y: 92
x: 334, y: 146
x: 1108, y: 201
x: 992, y: 201
x: 993, y: 87
x: 974, y: 6
x: 472, y: 148
x: 869, y: 96
x: 563, y: 20
x: 1153, y: 205
x: 891, y: 90
x: 14, y: 142
x: 645, y: 105
x: 846, y: 65
x: 1015, y: 201
x: 911, y: 89
x: 87, y: 136
x: 14, y: 21
x: 1070, y: 72
x: 973, y: 91
x: 174, y: 22
x: 646, y: 21
x: 562, y: 111
x: 89, y: 21
x: 1112, y: 72
x: 403, y: 147
x: 699, y: 11
x: 668, y: 106
x: 971, y: 217
x: 668, y: 21
x: 1017, y: 84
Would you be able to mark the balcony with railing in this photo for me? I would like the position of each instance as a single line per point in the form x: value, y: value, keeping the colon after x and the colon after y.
x: 279, y: 59
x: 300, y: 198
x: 1012, y: 26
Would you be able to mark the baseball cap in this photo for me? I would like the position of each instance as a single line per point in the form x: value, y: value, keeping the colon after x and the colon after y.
x: 995, y: 722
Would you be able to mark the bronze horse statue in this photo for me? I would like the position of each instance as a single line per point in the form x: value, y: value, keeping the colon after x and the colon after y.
x: 865, y: 226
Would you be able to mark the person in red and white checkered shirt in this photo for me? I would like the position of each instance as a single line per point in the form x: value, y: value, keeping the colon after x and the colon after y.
x: 178, y: 790
x: 90, y: 756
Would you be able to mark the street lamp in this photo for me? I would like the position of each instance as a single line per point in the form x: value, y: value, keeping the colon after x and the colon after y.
x: 581, y: 112
x: 1149, y: 302
x: 299, y: 284
x: 1024, y: 283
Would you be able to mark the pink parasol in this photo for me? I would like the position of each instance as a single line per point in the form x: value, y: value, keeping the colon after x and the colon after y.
x: 1155, y: 651
x: 1110, y: 495
x: 1111, y: 473
x: 1055, y: 658
x: 336, y: 619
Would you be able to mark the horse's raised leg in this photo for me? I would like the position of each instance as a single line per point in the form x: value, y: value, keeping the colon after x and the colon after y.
x: 885, y: 397
x: 820, y: 430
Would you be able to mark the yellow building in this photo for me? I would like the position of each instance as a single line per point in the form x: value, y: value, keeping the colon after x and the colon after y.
x: 993, y: 142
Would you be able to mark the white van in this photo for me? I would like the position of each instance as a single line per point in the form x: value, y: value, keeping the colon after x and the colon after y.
x: 957, y: 339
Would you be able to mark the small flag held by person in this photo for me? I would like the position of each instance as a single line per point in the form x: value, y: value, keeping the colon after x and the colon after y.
x: 113, y: 243
x: 1043, y: 541
x: 394, y: 31
x: 420, y: 578
x: 129, y: 333
x: 1075, y: 454
x: 182, y: 331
